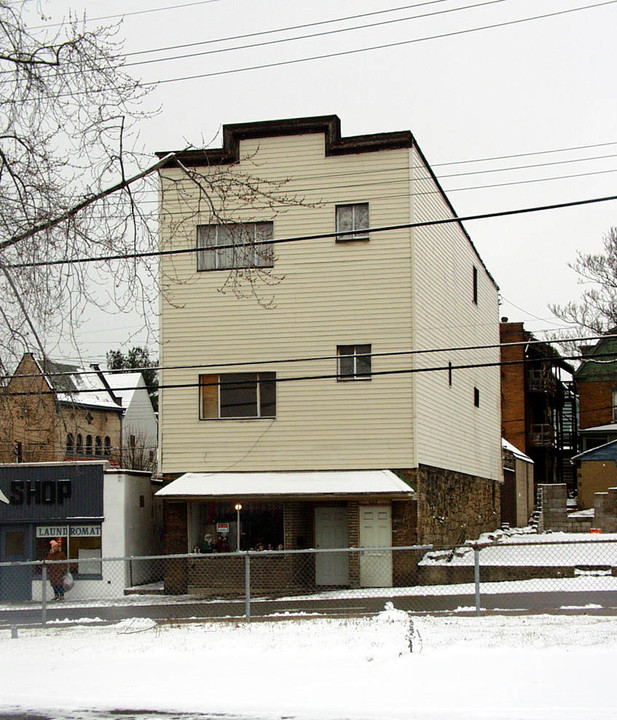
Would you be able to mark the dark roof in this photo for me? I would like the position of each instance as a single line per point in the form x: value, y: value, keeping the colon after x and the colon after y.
x: 329, y: 125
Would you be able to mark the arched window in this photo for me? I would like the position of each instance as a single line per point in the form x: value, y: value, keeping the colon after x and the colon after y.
x: 107, y: 445
x: 79, y: 449
x: 88, y: 444
x: 98, y: 446
x: 70, y: 445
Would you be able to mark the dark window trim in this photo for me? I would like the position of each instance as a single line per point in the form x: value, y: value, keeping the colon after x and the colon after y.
x: 355, y: 355
x: 355, y: 234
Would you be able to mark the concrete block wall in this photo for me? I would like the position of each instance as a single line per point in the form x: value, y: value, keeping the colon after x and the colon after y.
x: 605, y: 505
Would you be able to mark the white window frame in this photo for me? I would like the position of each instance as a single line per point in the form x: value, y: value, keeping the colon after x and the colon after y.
x: 359, y: 350
x: 249, y: 249
x: 356, y: 231
x: 614, y: 405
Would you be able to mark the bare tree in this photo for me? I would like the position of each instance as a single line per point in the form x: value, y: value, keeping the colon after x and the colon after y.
x: 597, y: 309
x: 74, y: 184
x: 67, y: 118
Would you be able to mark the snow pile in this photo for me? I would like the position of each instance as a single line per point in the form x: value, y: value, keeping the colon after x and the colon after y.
x: 391, y: 666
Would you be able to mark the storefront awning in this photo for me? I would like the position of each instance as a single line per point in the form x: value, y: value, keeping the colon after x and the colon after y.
x: 288, y: 485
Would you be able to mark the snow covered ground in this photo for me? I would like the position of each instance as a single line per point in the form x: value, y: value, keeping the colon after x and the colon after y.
x: 390, y: 666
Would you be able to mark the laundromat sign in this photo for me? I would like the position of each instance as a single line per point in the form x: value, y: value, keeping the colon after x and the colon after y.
x: 56, y: 531
x: 54, y: 491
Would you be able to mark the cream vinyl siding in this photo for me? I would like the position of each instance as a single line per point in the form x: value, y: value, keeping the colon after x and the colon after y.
x: 450, y: 431
x: 327, y: 294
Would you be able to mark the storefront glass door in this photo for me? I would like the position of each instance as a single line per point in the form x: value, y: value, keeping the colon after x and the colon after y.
x: 15, y: 581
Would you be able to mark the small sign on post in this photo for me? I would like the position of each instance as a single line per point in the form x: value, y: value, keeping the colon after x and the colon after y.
x: 222, y: 528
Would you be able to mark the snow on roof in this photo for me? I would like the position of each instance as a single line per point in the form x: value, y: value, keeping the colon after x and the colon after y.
x: 515, y: 451
x: 608, y: 451
x: 77, y: 385
x: 611, y: 427
x: 124, y: 385
x: 335, y: 482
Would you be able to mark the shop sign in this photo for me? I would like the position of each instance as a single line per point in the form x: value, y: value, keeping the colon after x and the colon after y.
x: 51, y: 493
x: 52, y: 532
x: 222, y: 528
x: 40, y: 492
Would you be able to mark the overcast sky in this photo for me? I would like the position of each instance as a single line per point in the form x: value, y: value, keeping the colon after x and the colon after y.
x: 541, y: 90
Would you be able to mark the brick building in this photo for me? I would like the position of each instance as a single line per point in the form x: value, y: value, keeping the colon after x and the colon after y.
x: 538, y: 406
x: 596, y: 379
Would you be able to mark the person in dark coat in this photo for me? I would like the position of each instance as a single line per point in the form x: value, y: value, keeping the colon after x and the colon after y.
x: 57, y: 571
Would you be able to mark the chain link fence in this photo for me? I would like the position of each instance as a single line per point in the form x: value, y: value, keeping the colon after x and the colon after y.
x: 528, y: 572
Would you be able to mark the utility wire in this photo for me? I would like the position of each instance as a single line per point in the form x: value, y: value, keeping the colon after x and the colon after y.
x: 449, y: 368
x: 320, y: 236
x: 310, y: 36
x: 377, y: 183
x: 384, y: 46
x: 200, y: 366
x: 283, y: 29
x: 128, y: 14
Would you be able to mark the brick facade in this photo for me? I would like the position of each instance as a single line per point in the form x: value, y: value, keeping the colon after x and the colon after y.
x: 513, y: 410
x: 595, y: 402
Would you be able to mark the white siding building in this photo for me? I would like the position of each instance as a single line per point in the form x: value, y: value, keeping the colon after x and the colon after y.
x: 328, y: 354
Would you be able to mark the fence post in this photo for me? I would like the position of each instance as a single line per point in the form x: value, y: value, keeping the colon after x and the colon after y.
x: 247, y: 585
x: 44, y: 594
x: 476, y: 576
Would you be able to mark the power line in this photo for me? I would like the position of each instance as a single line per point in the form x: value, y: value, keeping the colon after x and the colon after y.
x: 380, y: 183
x: 283, y: 29
x: 130, y: 13
x: 426, y: 351
x: 384, y: 46
x: 311, y: 36
x: 449, y: 368
x: 319, y: 236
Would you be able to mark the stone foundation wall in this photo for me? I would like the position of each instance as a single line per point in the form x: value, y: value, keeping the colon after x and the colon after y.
x: 454, y: 507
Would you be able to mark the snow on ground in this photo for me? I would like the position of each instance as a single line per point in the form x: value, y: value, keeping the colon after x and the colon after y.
x: 520, y: 549
x: 390, y: 666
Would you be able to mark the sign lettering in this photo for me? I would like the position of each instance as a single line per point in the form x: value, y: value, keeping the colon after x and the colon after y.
x: 40, y: 492
x: 85, y: 531
x: 52, y: 532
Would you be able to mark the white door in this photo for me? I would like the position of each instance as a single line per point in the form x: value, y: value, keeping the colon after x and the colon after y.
x: 375, y: 532
x: 331, y: 532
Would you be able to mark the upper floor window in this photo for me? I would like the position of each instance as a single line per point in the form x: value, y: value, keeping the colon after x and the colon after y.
x: 476, y: 397
x: 70, y: 444
x: 79, y: 447
x: 98, y: 445
x: 234, y: 246
x: 614, y: 406
x: 354, y: 362
x: 238, y: 395
x: 88, y: 444
x: 352, y: 218
x: 475, y: 285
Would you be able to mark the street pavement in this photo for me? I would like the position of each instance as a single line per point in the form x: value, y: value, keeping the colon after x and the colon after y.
x: 183, y: 608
